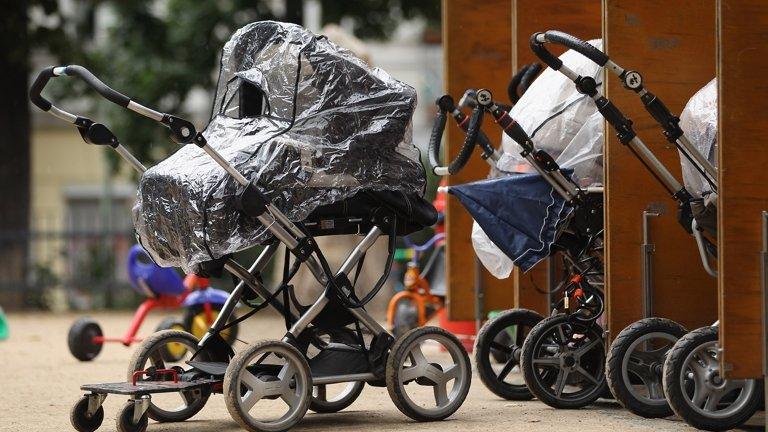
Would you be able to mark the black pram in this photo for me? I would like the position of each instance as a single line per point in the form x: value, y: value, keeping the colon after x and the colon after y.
x: 305, y: 140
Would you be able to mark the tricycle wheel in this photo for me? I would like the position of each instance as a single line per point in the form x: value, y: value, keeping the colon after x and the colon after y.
x: 195, y: 322
x: 80, y: 339
x: 172, y: 352
x: 406, y: 317
x: 81, y: 421
x: 125, y: 420
x: 169, y: 407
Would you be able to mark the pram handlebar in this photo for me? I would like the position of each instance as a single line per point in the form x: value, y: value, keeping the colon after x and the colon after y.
x: 521, y: 80
x: 446, y: 105
x: 631, y: 80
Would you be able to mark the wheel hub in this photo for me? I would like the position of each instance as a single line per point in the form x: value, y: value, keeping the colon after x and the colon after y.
x: 714, y: 380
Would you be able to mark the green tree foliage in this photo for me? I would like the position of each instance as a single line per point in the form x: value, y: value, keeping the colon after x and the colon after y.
x: 158, y: 52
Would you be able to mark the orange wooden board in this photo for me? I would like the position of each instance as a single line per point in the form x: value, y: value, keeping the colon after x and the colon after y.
x: 743, y: 177
x: 580, y: 18
x: 477, y: 53
x: 672, y: 44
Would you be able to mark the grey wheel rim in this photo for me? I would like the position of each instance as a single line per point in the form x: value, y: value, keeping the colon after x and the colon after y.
x: 701, y: 372
x: 319, y: 393
x: 647, y: 365
x: 290, y: 385
x: 421, y: 371
x: 558, y: 363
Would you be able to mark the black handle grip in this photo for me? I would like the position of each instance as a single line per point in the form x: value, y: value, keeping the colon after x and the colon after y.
x: 473, y: 130
x: 577, y: 45
x: 543, y: 53
x: 530, y: 74
x: 435, y: 138
x: 37, y: 88
x: 103, y: 89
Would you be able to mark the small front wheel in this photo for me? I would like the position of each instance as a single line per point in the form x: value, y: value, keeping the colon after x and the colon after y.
x: 498, y: 349
x: 126, y: 422
x: 81, y: 339
x: 417, y: 363
x: 81, y: 420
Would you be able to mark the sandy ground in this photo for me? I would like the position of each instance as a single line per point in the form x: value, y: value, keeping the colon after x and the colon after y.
x: 40, y: 382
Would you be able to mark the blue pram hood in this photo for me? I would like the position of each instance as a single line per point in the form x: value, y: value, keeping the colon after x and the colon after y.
x: 521, y: 214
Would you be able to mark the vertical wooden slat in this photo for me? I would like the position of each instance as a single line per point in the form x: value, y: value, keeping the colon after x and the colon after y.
x: 580, y: 18
x: 743, y: 180
x: 672, y: 44
x: 478, y: 51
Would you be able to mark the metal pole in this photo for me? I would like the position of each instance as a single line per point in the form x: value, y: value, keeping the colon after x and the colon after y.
x: 647, y: 249
x: 479, y: 295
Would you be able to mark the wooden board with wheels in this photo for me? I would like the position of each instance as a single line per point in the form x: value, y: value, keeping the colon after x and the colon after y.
x: 743, y: 177
x: 672, y: 44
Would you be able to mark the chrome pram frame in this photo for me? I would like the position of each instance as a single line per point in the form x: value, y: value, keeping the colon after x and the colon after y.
x: 338, y: 291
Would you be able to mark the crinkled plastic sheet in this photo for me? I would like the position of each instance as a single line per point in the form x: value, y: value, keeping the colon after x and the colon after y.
x: 330, y: 126
x: 561, y: 121
x: 699, y: 122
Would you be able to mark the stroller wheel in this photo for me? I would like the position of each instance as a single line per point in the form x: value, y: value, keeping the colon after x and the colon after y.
x: 330, y: 398
x: 425, y: 382
x: 125, y: 421
x: 81, y: 420
x: 564, y: 362
x: 273, y: 374
x: 153, y: 352
x: 497, y: 352
x: 325, y: 402
x: 635, y: 362
x: 697, y: 392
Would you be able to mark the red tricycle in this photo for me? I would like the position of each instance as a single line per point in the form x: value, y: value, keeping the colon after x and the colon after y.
x: 163, y: 288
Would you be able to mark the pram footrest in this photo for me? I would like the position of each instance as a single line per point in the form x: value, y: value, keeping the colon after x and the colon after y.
x: 147, y: 387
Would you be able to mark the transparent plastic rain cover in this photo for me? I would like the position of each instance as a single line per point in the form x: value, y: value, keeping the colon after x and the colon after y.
x: 699, y: 122
x: 305, y: 120
x: 560, y: 121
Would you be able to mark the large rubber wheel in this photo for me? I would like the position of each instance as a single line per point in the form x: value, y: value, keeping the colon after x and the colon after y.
x: 406, y: 317
x: 498, y: 348
x: 168, y: 407
x: 448, y: 373
x: 268, y: 371
x: 564, y: 362
x: 635, y: 364
x: 195, y: 322
x: 81, y: 421
x: 697, y: 392
x: 124, y: 420
x: 80, y: 339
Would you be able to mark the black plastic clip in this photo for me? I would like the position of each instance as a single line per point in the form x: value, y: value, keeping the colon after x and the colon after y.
x: 304, y: 249
x: 586, y: 85
x: 95, y: 133
x: 251, y: 201
x: 182, y: 131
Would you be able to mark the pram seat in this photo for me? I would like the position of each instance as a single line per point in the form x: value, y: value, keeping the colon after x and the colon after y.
x: 359, y: 213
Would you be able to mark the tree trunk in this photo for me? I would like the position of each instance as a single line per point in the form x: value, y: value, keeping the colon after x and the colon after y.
x: 14, y: 147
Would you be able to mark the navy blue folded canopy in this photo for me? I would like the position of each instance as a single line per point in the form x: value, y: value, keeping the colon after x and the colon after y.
x: 521, y: 214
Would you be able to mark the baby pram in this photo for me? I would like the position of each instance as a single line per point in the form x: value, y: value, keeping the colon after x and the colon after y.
x: 526, y: 217
x: 312, y: 142
x: 691, y: 377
